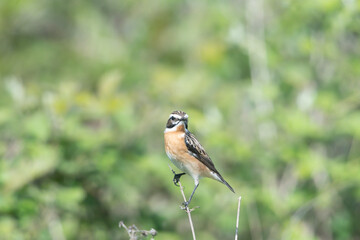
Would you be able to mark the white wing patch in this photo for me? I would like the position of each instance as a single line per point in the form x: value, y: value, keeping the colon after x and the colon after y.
x: 215, y: 176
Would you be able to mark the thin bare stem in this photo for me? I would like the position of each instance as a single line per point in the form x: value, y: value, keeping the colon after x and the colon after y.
x: 186, y: 208
x: 188, y: 211
x: 237, y: 219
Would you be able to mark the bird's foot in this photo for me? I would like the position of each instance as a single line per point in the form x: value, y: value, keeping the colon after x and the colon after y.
x: 185, y: 204
x: 176, y: 178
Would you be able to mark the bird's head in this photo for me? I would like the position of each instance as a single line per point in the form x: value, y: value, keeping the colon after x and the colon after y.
x: 176, y: 119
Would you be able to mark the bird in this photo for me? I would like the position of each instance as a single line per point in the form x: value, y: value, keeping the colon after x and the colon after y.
x: 187, y: 154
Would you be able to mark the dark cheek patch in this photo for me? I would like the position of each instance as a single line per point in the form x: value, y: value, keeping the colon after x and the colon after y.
x: 170, y: 124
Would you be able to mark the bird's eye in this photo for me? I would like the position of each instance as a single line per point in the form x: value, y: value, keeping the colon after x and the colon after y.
x: 172, y: 118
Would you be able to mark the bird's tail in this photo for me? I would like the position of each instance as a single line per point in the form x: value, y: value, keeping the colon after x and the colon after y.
x: 222, y: 180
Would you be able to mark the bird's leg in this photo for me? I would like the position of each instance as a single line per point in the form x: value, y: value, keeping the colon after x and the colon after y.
x: 176, y: 178
x: 192, y: 194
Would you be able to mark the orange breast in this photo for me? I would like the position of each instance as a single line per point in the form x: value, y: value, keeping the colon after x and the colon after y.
x: 175, y: 144
x: 178, y: 153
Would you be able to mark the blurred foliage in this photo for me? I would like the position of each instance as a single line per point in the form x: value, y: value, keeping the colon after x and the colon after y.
x: 271, y: 88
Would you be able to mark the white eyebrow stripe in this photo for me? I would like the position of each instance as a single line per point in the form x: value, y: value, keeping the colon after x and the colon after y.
x: 174, y: 115
x: 178, y: 116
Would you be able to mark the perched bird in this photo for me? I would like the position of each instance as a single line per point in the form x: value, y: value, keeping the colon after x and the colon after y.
x: 186, y: 152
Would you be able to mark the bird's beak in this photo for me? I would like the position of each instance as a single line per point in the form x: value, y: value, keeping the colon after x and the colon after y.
x: 185, y: 122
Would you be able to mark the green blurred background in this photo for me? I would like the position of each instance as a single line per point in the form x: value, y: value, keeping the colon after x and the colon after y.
x: 272, y: 89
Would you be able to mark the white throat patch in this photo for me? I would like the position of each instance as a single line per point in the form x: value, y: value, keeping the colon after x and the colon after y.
x: 174, y: 128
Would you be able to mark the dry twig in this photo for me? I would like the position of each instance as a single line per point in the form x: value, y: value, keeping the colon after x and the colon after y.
x: 186, y: 208
x: 134, y: 233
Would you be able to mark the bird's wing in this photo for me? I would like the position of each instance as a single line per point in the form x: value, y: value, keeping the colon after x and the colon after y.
x: 196, y: 150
